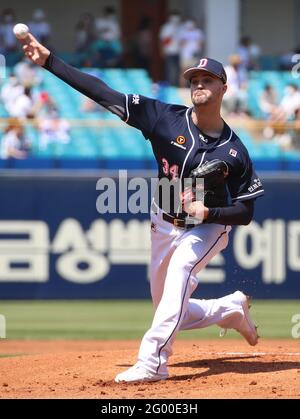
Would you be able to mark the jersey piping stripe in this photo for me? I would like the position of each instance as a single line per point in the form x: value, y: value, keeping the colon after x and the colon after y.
x: 187, y: 282
x: 246, y: 196
x: 202, y: 158
x: 127, y: 109
x: 188, y: 154
x: 227, y: 141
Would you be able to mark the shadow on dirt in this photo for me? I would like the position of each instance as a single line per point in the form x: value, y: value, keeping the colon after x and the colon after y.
x: 231, y: 364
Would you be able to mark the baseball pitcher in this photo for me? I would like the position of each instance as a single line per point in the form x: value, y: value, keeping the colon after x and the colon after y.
x: 192, y: 143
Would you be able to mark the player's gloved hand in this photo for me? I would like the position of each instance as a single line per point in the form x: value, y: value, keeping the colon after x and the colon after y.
x: 35, y: 51
x: 213, y: 190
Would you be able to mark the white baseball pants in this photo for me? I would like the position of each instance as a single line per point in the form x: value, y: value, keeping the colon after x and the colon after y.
x: 177, y: 255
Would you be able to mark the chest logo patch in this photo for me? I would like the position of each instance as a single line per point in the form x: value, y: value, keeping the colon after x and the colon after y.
x: 233, y: 152
x: 180, y: 140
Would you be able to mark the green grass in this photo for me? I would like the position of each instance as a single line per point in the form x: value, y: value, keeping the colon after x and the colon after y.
x: 10, y: 355
x: 104, y: 319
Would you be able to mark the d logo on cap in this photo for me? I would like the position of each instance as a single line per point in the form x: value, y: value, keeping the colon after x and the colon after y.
x: 202, y: 63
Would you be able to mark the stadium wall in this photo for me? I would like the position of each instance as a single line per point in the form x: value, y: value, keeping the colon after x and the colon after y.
x: 272, y: 24
x: 55, y: 245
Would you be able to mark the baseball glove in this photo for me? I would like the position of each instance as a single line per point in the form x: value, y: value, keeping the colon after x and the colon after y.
x: 214, y: 194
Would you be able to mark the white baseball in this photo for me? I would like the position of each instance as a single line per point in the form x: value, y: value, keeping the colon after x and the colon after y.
x: 21, y: 30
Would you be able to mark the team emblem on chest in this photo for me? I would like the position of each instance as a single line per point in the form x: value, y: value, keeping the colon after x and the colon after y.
x: 180, y: 141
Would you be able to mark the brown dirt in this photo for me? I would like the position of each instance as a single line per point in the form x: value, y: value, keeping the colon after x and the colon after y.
x: 198, y: 369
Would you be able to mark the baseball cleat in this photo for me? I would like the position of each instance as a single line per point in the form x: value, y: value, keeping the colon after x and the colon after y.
x: 139, y: 374
x: 246, y: 327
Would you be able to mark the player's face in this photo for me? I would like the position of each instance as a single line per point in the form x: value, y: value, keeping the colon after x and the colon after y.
x: 206, y: 89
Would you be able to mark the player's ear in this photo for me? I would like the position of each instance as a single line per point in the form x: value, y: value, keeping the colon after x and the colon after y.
x: 225, y: 87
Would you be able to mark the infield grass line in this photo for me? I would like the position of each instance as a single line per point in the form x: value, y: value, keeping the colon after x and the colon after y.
x: 124, y: 320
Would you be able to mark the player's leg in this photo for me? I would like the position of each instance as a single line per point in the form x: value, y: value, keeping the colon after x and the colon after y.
x: 204, y: 313
x: 192, y: 249
x: 229, y: 312
x: 156, y: 346
x: 163, y: 245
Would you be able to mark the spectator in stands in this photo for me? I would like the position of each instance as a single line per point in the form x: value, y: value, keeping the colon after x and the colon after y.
x: 43, y: 104
x: 142, y: 50
x: 191, y: 42
x: 27, y: 73
x: 40, y: 27
x: 8, y: 42
x: 268, y: 102
x: 53, y: 129
x: 14, y: 144
x: 107, y: 25
x: 286, y: 111
x: 170, y: 49
x: 84, y: 33
x: 11, y: 91
x: 23, y: 106
x: 290, y: 102
x: 286, y: 59
x: 107, y: 49
x: 249, y: 54
x: 235, y: 100
x: 268, y: 105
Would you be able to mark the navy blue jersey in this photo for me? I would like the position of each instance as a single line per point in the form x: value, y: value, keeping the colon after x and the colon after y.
x: 179, y: 146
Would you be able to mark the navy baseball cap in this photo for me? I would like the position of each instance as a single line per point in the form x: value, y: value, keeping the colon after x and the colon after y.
x: 209, y: 65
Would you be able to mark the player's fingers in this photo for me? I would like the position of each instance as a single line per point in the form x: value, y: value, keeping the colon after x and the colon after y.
x: 35, y: 56
x: 28, y: 38
x: 28, y: 48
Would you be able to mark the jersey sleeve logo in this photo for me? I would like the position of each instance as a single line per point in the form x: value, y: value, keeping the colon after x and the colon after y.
x: 136, y: 99
x: 233, y: 152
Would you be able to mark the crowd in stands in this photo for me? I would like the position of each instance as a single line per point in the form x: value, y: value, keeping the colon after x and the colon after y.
x: 24, y: 101
x: 182, y: 44
x: 98, y: 39
x: 281, y: 111
x: 98, y: 43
